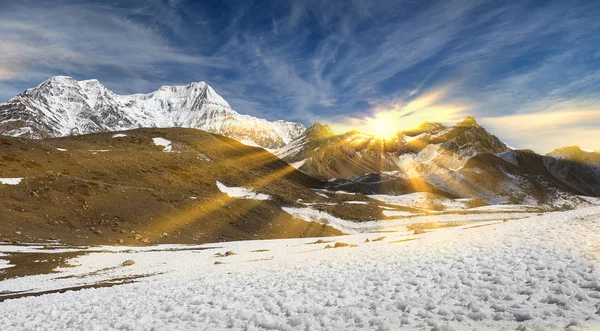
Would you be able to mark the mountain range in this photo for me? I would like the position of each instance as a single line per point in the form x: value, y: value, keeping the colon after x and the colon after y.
x: 63, y: 106
x: 454, y: 161
x: 459, y: 161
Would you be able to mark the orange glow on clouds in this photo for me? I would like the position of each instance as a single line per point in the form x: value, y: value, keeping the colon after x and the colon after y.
x: 387, y: 121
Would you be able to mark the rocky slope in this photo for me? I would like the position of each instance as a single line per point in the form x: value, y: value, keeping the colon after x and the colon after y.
x: 460, y: 161
x: 63, y: 106
x: 322, y: 154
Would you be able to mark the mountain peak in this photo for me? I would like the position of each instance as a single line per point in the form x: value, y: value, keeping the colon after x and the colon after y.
x: 430, y: 126
x: 319, y: 131
x: 576, y: 154
x: 62, y: 105
x: 58, y: 81
x: 468, y: 122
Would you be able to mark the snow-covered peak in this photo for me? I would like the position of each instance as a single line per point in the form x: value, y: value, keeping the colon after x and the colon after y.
x: 62, y: 106
x: 67, y: 80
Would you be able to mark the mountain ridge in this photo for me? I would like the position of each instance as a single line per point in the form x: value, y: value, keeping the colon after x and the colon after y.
x: 62, y: 106
x: 463, y: 160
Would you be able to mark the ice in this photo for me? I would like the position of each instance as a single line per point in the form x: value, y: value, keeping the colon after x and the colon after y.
x: 164, y: 143
x: 241, y: 192
x: 536, y: 273
x: 10, y: 181
x: 61, y: 149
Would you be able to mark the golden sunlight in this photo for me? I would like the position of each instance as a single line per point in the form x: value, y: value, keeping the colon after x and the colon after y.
x: 383, y: 125
x: 386, y: 122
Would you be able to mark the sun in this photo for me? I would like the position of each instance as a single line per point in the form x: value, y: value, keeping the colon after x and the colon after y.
x: 383, y: 125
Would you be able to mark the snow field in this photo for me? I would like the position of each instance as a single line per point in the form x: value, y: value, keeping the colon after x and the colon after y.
x: 536, y: 273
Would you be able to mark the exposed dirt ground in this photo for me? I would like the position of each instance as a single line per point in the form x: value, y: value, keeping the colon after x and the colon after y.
x: 96, y: 189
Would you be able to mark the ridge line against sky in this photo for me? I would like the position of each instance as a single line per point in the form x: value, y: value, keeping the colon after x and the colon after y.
x: 527, y: 70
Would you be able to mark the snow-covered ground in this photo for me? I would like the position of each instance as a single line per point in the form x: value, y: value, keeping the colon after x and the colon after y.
x: 241, y: 192
x: 158, y: 141
x: 535, y: 273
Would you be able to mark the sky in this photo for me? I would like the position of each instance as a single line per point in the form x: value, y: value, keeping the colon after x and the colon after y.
x: 529, y: 71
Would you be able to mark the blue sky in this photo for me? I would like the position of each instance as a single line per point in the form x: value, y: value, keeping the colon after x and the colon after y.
x: 528, y: 70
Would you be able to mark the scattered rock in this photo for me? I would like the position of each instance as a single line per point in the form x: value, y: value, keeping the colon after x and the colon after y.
x: 320, y: 241
x: 228, y: 253
x: 341, y: 244
x: 127, y: 263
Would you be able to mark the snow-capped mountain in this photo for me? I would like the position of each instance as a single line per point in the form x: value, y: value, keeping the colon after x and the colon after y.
x: 63, y: 106
x: 460, y: 161
x: 322, y: 154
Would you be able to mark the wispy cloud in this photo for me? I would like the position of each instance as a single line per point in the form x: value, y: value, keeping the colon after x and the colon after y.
x: 85, y: 40
x: 322, y: 60
x: 551, y: 124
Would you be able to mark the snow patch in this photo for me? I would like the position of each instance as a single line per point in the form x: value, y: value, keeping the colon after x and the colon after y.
x: 299, y: 164
x: 241, y: 192
x: 203, y: 157
x: 392, y: 213
x: 5, y: 264
x: 10, y: 181
x: 119, y: 135
x: 164, y: 143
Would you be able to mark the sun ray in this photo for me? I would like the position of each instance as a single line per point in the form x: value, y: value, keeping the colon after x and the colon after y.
x: 196, y: 212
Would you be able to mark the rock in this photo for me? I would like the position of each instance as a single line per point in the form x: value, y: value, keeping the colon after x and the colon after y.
x: 228, y: 253
x: 127, y: 263
x: 120, y: 241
